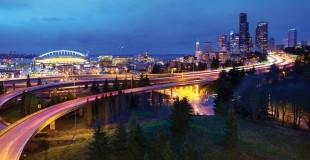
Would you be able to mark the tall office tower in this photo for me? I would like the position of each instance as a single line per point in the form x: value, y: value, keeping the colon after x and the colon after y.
x: 261, y: 39
x: 197, y: 45
x: 198, y: 52
x: 208, y: 47
x: 234, y: 43
x: 244, y: 41
x: 222, y: 43
x: 292, y: 37
x: 271, y: 44
x: 285, y: 42
x: 251, y: 45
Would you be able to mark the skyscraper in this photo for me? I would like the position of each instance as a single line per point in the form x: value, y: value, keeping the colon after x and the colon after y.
x: 244, y: 41
x: 222, y: 43
x: 292, y: 37
x: 285, y: 42
x: 198, y: 52
x: 208, y: 47
x: 271, y: 44
x: 261, y: 39
x: 234, y: 43
x: 197, y: 45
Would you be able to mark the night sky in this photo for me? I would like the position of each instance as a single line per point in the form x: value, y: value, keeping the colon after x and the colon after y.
x: 153, y: 26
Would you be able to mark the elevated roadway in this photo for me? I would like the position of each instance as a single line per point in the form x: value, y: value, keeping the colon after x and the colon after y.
x: 14, y: 138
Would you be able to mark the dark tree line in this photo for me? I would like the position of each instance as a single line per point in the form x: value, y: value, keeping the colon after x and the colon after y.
x: 130, y: 142
x: 297, y: 50
x: 224, y: 86
x: 30, y: 103
x: 2, y: 89
x: 118, y: 85
x: 110, y: 108
x: 280, y: 94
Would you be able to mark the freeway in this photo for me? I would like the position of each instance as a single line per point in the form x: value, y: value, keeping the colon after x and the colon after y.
x: 188, y: 76
x: 13, y: 94
x: 14, y: 138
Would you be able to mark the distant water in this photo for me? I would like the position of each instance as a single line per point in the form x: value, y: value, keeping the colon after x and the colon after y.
x: 156, y: 56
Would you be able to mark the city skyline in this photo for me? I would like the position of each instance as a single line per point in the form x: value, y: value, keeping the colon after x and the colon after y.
x: 165, y: 28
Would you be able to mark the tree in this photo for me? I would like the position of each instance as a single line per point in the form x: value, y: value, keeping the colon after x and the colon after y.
x: 105, y: 87
x: 119, y: 142
x: 125, y: 84
x: 29, y: 103
x: 188, y: 152
x: 299, y: 102
x: 116, y: 85
x: 273, y: 74
x: 134, y: 152
x: 156, y: 69
x: 89, y: 113
x: 167, y: 153
x: 146, y: 81
x: 253, y: 97
x: 158, y: 145
x: 41, y: 101
x: 224, y: 89
x: 99, y: 148
x: 70, y: 96
x: 136, y: 134
x: 28, y: 84
x: 279, y: 101
x: 2, y: 88
x: 215, y: 64
x: 146, y: 156
x: 141, y: 81
x: 39, y: 81
x: 94, y: 88
x: 180, y: 117
x: 231, y: 134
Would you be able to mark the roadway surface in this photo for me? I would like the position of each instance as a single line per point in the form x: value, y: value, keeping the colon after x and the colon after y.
x: 188, y: 76
x: 14, y: 138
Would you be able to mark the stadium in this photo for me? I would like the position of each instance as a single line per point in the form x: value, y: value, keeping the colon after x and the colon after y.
x: 61, y: 57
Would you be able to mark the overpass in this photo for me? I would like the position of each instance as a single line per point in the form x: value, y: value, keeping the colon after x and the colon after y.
x: 175, y: 77
x: 16, y: 93
x: 14, y: 138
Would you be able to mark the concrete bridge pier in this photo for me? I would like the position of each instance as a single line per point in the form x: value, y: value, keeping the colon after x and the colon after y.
x: 53, y: 125
x: 81, y: 112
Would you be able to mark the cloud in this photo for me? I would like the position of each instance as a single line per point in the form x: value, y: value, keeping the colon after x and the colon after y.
x: 55, y: 19
x: 162, y: 26
x: 13, y: 4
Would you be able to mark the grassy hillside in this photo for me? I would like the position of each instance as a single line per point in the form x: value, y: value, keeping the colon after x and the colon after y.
x: 256, y: 141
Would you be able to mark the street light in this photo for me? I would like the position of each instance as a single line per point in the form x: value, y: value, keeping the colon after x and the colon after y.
x: 75, y: 114
x: 131, y: 80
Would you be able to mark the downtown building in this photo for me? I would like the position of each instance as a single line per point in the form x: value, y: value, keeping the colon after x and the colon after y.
x: 271, y: 44
x: 222, y: 43
x: 261, y: 37
x: 198, y: 51
x: 208, y: 46
x: 292, y: 38
x: 245, y: 41
x: 234, y: 43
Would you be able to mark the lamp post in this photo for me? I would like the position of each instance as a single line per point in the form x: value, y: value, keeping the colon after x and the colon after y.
x: 75, y: 114
x: 131, y: 80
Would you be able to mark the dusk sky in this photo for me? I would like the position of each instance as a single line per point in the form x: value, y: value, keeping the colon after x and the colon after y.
x: 153, y: 26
